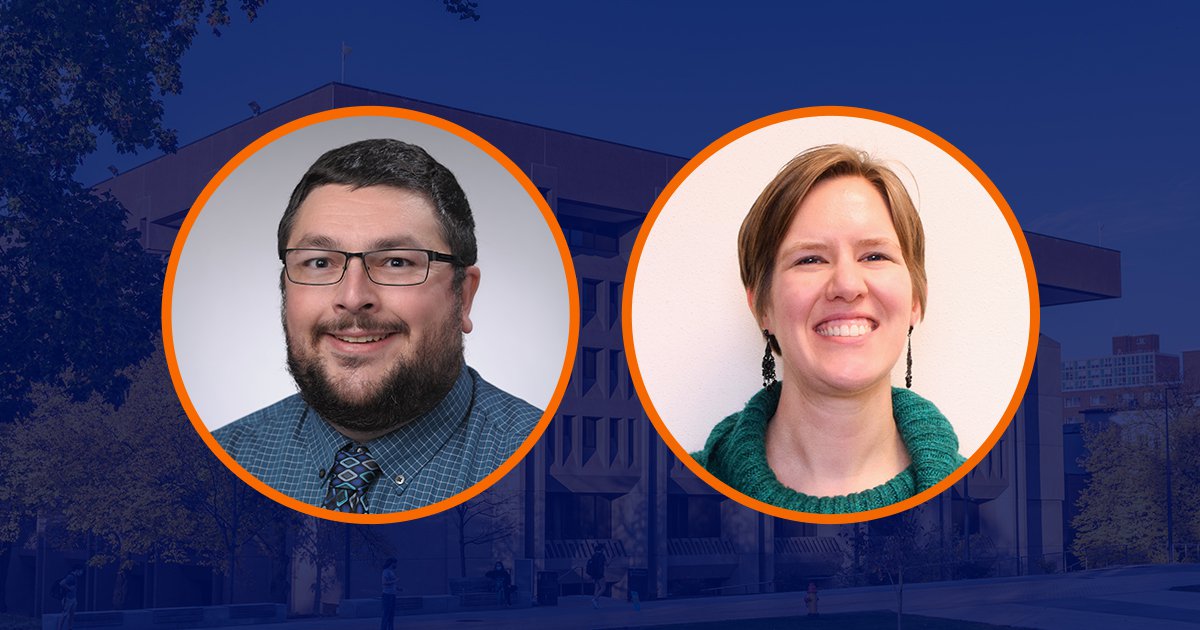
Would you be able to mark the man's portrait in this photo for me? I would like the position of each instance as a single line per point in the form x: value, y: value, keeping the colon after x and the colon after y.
x: 381, y: 274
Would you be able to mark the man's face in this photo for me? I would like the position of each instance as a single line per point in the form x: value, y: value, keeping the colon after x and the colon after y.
x: 369, y: 357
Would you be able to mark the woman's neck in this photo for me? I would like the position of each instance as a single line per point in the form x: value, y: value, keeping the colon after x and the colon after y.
x: 831, y: 444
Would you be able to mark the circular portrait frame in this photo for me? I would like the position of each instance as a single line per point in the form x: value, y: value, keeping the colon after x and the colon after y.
x: 695, y: 352
x: 223, y: 338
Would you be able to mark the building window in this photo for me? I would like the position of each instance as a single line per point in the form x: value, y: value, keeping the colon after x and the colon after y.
x: 792, y: 529
x: 590, y: 240
x: 614, y: 439
x: 630, y: 445
x: 590, y: 357
x: 568, y: 424
x: 690, y: 516
x: 589, y: 437
x: 614, y: 303
x: 595, y: 230
x: 575, y: 516
x: 614, y: 369
x: 587, y: 300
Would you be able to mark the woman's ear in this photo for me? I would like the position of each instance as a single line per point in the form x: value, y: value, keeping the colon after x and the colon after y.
x: 764, y: 322
x: 917, y: 314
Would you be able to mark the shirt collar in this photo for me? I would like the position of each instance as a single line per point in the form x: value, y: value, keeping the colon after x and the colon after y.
x: 402, y: 453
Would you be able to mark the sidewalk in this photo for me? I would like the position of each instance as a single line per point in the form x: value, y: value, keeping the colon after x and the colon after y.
x: 1117, y: 599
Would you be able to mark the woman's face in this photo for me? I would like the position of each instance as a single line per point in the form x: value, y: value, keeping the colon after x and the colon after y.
x: 842, y: 299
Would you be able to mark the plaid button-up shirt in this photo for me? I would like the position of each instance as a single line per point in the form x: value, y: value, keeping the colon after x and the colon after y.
x: 463, y: 439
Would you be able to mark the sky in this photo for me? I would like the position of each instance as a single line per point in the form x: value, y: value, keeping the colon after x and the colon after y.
x: 1084, y: 119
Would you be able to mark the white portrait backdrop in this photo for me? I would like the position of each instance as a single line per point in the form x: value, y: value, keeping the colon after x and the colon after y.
x: 695, y: 339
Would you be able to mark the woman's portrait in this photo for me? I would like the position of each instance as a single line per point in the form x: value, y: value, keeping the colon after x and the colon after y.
x: 830, y: 261
x: 833, y: 260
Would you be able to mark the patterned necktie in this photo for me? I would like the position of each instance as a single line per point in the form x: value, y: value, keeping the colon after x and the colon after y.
x: 352, y: 475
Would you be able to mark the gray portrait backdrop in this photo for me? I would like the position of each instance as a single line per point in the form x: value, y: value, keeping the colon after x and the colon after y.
x: 225, y: 314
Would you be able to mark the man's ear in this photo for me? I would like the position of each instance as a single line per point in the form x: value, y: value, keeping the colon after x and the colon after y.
x: 470, y: 285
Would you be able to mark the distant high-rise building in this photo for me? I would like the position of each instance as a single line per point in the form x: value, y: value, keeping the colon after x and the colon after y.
x: 1191, y: 371
x: 1132, y: 376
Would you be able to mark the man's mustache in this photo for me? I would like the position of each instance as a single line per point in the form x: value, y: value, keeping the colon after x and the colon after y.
x: 361, y: 323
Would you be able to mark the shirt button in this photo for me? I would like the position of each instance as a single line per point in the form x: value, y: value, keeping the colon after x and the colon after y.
x: 359, y: 449
x: 321, y: 473
x: 399, y: 479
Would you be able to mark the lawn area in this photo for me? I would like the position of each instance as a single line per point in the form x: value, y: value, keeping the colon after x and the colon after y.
x: 14, y: 622
x: 871, y: 620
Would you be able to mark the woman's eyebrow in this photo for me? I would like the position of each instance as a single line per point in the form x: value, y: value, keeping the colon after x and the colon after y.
x: 808, y: 246
x: 878, y: 242
x: 820, y: 246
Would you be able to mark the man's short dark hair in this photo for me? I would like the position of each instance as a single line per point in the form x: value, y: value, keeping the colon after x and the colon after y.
x: 386, y: 162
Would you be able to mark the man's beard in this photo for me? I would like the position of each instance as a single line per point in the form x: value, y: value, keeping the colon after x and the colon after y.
x: 411, y: 388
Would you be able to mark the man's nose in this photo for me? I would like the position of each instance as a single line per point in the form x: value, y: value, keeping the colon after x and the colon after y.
x: 356, y: 292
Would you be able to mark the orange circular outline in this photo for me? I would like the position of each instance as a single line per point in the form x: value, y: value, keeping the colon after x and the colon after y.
x: 1030, y: 353
x: 568, y: 277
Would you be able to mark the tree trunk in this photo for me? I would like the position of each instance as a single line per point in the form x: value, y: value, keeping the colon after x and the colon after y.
x: 121, y: 582
x: 319, y: 587
x: 230, y: 575
x: 4, y: 547
x: 462, y: 557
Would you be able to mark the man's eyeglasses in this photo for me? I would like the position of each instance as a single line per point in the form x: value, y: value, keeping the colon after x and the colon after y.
x: 390, y: 267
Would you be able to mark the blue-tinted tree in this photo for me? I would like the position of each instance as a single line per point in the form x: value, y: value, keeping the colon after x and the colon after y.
x: 78, y: 296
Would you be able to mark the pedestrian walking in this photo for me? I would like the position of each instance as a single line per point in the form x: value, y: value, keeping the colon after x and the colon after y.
x: 502, y: 583
x: 68, y: 589
x: 388, y: 597
x: 595, y: 570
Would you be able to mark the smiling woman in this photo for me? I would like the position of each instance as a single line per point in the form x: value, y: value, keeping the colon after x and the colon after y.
x: 832, y: 259
x: 830, y: 255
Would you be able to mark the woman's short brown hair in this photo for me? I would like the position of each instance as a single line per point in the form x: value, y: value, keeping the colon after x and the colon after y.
x: 763, y: 229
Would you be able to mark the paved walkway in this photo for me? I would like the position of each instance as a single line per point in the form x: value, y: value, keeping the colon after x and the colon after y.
x: 1121, y: 598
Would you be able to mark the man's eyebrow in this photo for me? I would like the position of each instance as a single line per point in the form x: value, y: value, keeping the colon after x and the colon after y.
x: 317, y: 241
x: 322, y: 241
x: 391, y: 242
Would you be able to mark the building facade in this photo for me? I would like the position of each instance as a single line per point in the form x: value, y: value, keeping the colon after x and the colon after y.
x: 600, y: 475
x: 1133, y: 376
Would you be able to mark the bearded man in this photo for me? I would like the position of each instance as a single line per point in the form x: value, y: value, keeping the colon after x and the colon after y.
x: 378, y: 250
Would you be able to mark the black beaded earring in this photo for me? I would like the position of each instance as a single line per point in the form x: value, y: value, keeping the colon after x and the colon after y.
x: 768, y: 362
x: 908, y: 371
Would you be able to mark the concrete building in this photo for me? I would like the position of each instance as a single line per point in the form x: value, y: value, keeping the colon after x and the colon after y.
x: 1016, y: 496
x: 601, y: 475
x: 1133, y: 376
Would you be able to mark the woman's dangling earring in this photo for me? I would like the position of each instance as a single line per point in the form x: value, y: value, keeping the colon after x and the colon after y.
x: 908, y: 372
x: 768, y: 362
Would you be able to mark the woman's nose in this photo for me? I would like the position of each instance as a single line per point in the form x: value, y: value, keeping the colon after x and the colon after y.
x: 846, y: 282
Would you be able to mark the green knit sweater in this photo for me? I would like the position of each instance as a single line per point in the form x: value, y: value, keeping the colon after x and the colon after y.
x: 736, y: 453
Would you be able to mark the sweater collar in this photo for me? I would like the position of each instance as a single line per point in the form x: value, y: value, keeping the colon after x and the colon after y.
x: 928, y: 436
